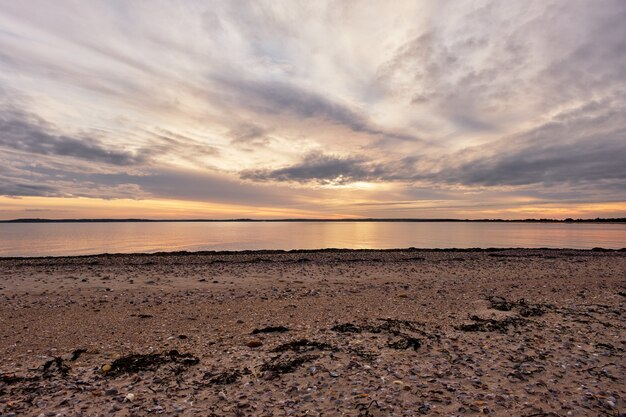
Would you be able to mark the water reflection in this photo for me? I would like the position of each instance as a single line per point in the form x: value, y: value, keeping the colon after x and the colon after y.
x: 90, y: 238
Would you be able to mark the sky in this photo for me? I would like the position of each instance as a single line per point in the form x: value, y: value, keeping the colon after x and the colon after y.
x: 298, y: 109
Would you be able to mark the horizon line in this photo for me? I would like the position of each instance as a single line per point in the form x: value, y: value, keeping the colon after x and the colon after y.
x: 359, y: 219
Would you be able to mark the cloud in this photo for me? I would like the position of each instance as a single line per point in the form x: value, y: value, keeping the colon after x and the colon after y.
x: 27, y: 133
x: 581, y: 146
x: 249, y: 134
x: 162, y: 142
x: 19, y: 188
x: 261, y: 102
x: 273, y: 98
x: 590, y: 150
x: 319, y: 168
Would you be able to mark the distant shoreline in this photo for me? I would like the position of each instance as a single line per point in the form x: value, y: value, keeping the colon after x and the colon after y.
x: 365, y: 220
x: 264, y: 253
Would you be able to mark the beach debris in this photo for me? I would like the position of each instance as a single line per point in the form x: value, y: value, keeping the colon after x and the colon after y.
x: 346, y: 328
x: 523, y: 307
x: 303, y: 345
x: 391, y: 326
x: 254, y: 343
x: 279, y: 365
x: 609, y: 348
x: 12, y: 378
x: 406, y: 342
x: 491, y: 325
x: 367, y: 410
x: 394, y: 327
x: 227, y: 377
x: 55, y: 366
x: 137, y: 362
x: 542, y: 414
x: 522, y: 371
x: 270, y: 329
x: 76, y: 354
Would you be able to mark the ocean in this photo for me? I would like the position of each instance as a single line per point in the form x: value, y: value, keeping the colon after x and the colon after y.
x: 63, y: 239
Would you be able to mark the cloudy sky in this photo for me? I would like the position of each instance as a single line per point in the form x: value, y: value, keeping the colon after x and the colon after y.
x: 266, y: 109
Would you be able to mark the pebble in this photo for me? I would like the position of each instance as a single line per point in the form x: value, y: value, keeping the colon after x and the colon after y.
x: 254, y: 343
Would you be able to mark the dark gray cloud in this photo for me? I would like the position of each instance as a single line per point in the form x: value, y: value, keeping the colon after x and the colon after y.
x: 580, y: 146
x: 272, y: 97
x: 592, y: 150
x: 59, y: 180
x: 320, y: 168
x: 27, y: 133
x: 19, y: 188
x: 583, y: 162
x: 249, y: 135
x: 192, y: 185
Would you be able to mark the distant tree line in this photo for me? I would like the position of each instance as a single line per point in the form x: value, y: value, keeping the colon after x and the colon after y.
x: 405, y: 220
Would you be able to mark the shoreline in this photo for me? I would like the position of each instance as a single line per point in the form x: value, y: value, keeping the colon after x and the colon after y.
x: 303, y: 251
x: 394, y: 332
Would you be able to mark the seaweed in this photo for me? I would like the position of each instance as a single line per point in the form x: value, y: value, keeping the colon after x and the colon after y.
x: 10, y: 379
x: 394, y: 327
x: 137, y: 362
x: 346, y: 328
x: 55, y: 366
x: 279, y: 365
x: 76, y: 354
x: 524, y: 308
x: 227, y: 377
x: 364, y: 409
x: 406, y: 342
x: 491, y: 325
x: 304, y: 345
x: 271, y: 329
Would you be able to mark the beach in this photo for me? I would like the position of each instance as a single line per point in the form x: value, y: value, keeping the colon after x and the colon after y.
x: 517, y: 332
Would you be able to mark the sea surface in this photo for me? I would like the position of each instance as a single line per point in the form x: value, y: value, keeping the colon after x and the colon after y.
x: 56, y: 239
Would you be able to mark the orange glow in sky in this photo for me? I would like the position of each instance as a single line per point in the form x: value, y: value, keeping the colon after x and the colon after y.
x: 274, y: 109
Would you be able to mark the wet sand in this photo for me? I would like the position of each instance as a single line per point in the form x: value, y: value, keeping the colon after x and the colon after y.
x: 330, y: 333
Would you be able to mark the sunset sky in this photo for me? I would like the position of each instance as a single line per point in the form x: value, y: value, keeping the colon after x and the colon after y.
x: 270, y: 109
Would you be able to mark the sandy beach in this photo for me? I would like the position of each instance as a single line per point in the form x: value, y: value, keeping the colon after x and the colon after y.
x: 315, y: 333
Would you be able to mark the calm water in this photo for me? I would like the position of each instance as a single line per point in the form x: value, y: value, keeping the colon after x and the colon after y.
x: 91, y: 238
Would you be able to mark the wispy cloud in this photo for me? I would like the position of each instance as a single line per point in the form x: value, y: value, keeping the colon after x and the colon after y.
x: 30, y: 134
x: 287, y: 104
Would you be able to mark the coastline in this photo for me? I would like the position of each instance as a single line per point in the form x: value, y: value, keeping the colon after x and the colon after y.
x: 305, y: 251
x: 393, y: 332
